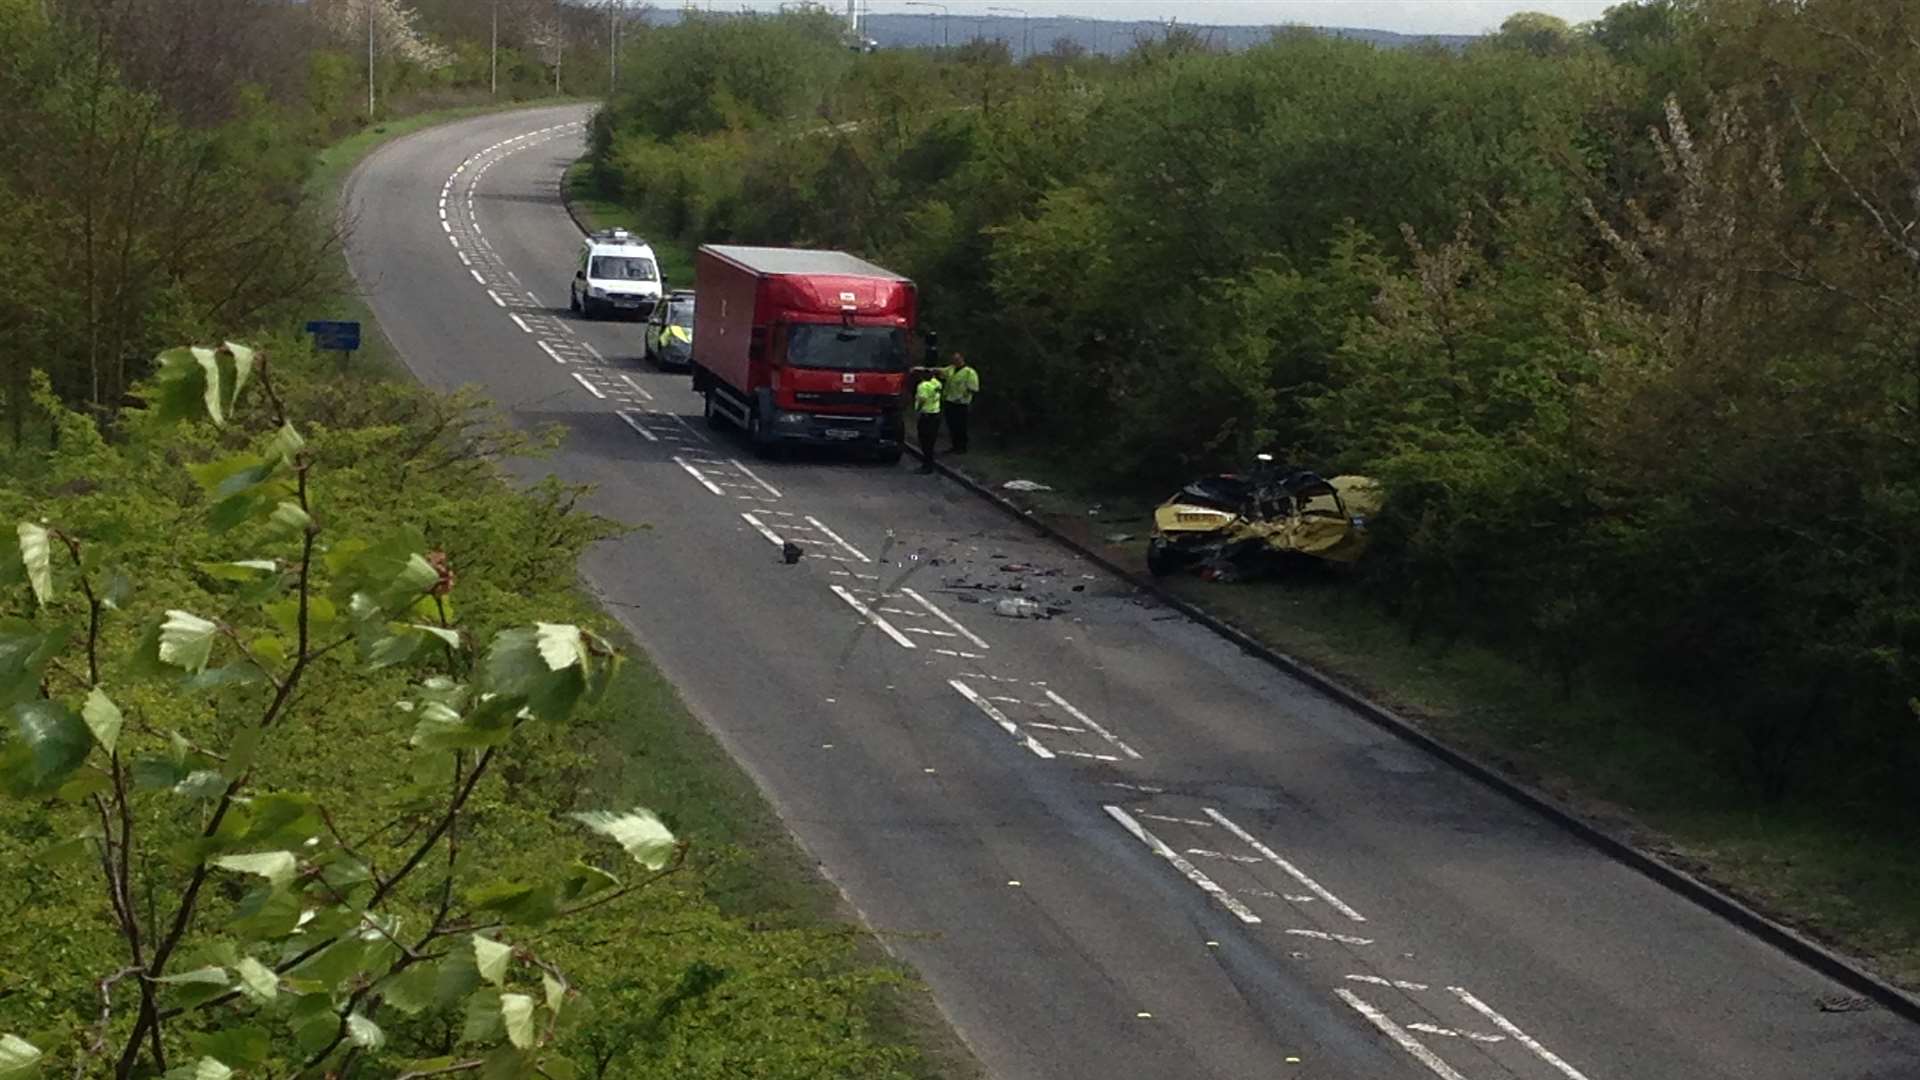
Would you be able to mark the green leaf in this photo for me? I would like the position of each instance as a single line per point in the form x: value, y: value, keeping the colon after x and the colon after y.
x: 507, y: 1063
x: 364, y: 1033
x: 288, y: 519
x: 25, y: 650
x: 285, y: 445
x: 152, y: 773
x: 245, y: 1046
x: 180, y: 386
x: 278, y: 867
x: 244, y: 570
x: 36, y: 554
x: 516, y: 901
x: 561, y: 645
x: 186, y: 640
x: 51, y: 742
x: 413, y: 990
x: 483, y: 1016
x: 117, y: 591
x: 639, y: 831
x: 257, y: 980
x: 202, y: 784
x: 241, y: 361
x: 18, y: 1058
x: 321, y: 613
x: 584, y: 880
x: 556, y: 992
x: 209, y: 362
x: 517, y: 1012
x: 450, y: 637
x: 103, y: 719
x: 266, y: 914
x: 205, y: 1069
x: 440, y: 728
x: 491, y: 958
x: 197, y: 986
x: 210, y: 976
x: 83, y: 785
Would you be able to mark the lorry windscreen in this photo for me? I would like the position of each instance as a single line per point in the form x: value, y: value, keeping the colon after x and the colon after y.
x: 847, y: 348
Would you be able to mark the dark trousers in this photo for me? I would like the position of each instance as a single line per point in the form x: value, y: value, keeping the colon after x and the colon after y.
x: 956, y: 415
x: 929, y: 434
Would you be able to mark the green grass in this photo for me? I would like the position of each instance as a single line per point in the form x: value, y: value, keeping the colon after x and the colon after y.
x: 1620, y: 756
x: 597, y: 212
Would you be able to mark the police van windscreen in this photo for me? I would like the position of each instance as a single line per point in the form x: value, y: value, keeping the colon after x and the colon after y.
x: 847, y: 348
x: 623, y: 268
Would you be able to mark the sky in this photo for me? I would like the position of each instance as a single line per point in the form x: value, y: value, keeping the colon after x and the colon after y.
x: 1404, y: 16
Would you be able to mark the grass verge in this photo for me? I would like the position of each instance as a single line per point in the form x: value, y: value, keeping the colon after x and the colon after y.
x: 1846, y: 877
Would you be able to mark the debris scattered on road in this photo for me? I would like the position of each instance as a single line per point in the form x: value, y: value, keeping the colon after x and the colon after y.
x: 1119, y: 538
x: 1019, y: 607
x: 791, y: 552
x: 1079, y: 588
x: 1845, y: 1003
x: 1025, y: 485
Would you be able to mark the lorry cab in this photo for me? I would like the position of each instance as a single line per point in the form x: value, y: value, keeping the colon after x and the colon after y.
x: 803, y: 347
x: 616, y: 273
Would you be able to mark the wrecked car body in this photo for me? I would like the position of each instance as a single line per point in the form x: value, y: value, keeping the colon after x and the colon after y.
x: 1229, y: 525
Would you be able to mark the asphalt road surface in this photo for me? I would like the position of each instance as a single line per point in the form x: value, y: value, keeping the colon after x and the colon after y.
x: 1112, y: 845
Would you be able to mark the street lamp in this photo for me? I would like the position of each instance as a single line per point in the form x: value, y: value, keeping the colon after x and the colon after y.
x: 943, y: 16
x: 1026, y: 45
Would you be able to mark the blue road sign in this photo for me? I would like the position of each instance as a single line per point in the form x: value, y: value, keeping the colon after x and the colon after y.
x: 341, y: 336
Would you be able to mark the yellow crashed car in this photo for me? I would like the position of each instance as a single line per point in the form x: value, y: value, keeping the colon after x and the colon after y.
x: 1229, y: 523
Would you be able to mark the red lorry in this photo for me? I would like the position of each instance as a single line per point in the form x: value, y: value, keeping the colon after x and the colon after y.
x: 802, y: 347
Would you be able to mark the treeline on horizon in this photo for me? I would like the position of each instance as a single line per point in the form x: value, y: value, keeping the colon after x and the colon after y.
x: 1626, y: 315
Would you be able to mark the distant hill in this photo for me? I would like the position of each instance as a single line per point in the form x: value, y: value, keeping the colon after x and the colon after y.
x: 913, y: 30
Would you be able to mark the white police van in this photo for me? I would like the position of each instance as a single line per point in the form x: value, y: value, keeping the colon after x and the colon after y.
x: 617, y: 274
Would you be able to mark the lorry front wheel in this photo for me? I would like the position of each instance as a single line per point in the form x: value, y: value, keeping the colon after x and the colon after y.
x: 757, y: 435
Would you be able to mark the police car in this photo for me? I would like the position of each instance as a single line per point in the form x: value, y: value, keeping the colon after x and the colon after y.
x: 617, y: 275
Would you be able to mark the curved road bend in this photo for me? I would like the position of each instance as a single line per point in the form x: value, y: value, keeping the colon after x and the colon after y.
x: 1112, y: 845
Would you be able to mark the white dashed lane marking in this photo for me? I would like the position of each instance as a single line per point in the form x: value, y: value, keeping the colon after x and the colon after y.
x: 1193, y: 873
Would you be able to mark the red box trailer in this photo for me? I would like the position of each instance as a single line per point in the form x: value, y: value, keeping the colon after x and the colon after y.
x: 802, y: 347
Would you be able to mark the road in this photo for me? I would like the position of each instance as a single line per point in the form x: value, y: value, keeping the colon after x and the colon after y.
x: 1111, y: 844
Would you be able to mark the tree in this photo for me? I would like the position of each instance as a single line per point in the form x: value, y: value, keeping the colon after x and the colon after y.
x: 293, y: 910
x: 1535, y: 32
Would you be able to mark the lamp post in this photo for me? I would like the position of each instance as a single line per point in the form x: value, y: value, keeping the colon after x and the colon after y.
x: 1026, y: 43
x: 369, y: 61
x: 943, y: 16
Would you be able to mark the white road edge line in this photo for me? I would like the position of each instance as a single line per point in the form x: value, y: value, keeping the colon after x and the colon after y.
x: 1068, y: 707
x: 999, y: 717
x: 867, y: 613
x: 708, y: 484
x: 772, y: 537
x: 1293, y: 871
x: 1513, y: 1029
x: 549, y: 351
x: 475, y: 273
x: 628, y: 379
x: 943, y: 616
x: 1449, y: 1033
x: 755, y: 477
x: 519, y: 323
x: 591, y: 389
x: 1397, y: 984
x: 1399, y: 1035
x: 1322, y: 935
x: 828, y: 533
x: 635, y: 425
x: 1206, y: 884
x: 494, y: 296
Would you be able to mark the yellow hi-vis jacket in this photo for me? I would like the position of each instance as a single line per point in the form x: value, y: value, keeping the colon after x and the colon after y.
x: 926, y: 396
x: 962, y: 384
